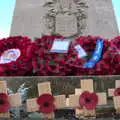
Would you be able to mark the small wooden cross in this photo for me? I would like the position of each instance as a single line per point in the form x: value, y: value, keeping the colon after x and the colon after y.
x: 116, y: 99
x: 60, y: 100
x: 86, y: 85
x: 14, y: 99
x: 112, y: 90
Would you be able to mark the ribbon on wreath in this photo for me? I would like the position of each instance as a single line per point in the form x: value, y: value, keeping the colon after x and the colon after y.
x: 96, y: 54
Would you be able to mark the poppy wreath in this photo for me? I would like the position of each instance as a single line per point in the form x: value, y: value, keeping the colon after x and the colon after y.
x: 47, y: 63
x: 114, y: 53
x: 88, y: 100
x: 46, y: 103
x: 15, y: 47
x: 102, y: 67
x: 4, y: 103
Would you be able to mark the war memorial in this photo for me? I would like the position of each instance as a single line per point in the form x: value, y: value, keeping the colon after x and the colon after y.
x: 61, y: 61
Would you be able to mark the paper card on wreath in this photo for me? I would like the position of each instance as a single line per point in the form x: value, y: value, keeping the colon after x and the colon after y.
x: 81, y: 51
x: 60, y: 46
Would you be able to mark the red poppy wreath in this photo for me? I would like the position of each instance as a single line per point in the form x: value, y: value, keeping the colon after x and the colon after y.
x: 58, y: 64
x: 114, y: 53
x: 4, y: 103
x: 49, y: 63
x: 88, y: 43
x: 13, y: 56
x: 46, y: 103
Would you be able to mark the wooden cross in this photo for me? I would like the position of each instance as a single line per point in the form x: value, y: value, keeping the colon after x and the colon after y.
x: 60, y: 100
x: 14, y: 99
x: 112, y: 90
x: 102, y: 97
x: 116, y: 99
x: 86, y: 85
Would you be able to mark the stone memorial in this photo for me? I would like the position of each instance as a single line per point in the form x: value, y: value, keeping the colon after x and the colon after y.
x: 70, y: 18
x: 35, y: 18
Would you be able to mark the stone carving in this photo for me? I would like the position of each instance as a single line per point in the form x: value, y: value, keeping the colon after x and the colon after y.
x: 66, y: 25
x: 66, y: 17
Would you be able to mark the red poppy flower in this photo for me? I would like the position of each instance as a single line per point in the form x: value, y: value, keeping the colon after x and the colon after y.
x: 117, y: 92
x: 14, y: 60
x: 46, y: 103
x: 4, y: 104
x: 88, y: 100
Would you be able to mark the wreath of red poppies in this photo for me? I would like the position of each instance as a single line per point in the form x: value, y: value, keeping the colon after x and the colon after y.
x: 114, y: 53
x: 102, y: 67
x: 88, y: 43
x: 37, y: 55
x: 46, y: 63
x: 22, y: 64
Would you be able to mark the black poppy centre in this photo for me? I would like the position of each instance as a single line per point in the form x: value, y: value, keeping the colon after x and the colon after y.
x: 87, y: 100
x: 119, y: 93
x: 2, y: 101
x: 46, y: 104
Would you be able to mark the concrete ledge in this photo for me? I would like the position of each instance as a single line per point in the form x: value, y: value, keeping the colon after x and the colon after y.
x: 60, y: 85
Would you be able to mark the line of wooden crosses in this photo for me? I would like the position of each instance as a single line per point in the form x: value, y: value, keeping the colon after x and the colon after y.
x: 60, y: 101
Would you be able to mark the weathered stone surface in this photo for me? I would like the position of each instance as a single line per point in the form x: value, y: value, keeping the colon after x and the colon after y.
x: 66, y: 25
x: 67, y: 5
x: 100, y: 18
x: 28, y: 18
